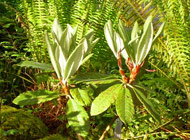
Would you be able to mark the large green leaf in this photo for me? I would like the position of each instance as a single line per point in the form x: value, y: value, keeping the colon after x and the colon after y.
x: 77, y: 118
x: 85, y: 96
x: 94, y: 78
x: 120, y: 45
x: 123, y: 32
x: 51, y: 50
x: 135, y: 31
x: 35, y: 97
x: 35, y: 65
x: 60, y: 59
x: 105, y: 99
x: 109, y: 35
x: 145, y: 42
x: 67, y: 41
x: 57, y: 30
x: 124, y: 105
x: 81, y: 96
x: 146, y: 103
x: 73, y: 62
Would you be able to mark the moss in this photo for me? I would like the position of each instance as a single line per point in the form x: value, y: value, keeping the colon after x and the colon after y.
x: 54, y: 137
x: 16, y: 124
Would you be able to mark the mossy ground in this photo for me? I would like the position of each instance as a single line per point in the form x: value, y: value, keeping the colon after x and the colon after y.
x: 17, y: 124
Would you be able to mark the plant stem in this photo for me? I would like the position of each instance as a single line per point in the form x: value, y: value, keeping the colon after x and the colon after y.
x: 122, y: 72
x: 65, y: 87
x: 108, y: 128
x: 79, y: 137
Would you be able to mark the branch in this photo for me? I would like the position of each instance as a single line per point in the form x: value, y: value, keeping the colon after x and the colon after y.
x: 108, y: 128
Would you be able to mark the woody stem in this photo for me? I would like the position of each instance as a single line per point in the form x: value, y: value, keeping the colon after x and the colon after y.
x: 65, y: 87
x: 122, y: 72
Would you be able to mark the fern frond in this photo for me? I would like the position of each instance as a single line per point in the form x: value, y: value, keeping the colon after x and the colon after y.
x: 175, y: 45
x: 131, y: 11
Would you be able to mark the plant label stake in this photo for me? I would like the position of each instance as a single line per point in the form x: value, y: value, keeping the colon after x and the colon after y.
x: 117, y: 131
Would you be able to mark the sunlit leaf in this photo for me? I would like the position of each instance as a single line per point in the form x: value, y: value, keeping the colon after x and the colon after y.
x: 135, y: 31
x: 119, y: 41
x: 81, y: 96
x: 33, y: 64
x: 124, y: 105
x: 123, y: 32
x: 35, y: 97
x: 77, y: 118
x: 145, y: 42
x: 85, y: 96
x: 94, y: 78
x: 73, y: 63
x: 56, y: 29
x: 109, y: 35
x: 76, y: 96
x: 105, y: 99
x: 51, y: 51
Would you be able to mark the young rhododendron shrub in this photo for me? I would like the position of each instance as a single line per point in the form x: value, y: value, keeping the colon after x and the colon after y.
x: 126, y: 94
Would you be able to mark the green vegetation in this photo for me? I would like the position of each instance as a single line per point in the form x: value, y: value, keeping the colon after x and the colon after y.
x: 54, y: 137
x: 19, y: 124
x: 94, y: 69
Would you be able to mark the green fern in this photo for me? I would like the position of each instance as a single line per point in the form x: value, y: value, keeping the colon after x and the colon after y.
x: 177, y: 34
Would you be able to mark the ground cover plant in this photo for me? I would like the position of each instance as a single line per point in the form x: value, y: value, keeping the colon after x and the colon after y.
x: 118, y: 70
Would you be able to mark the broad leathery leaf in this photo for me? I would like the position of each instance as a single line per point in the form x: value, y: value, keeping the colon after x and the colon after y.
x: 81, y: 96
x: 94, y: 78
x: 62, y: 43
x: 120, y: 45
x: 158, y: 32
x: 132, y: 48
x: 56, y: 29
x: 135, y: 41
x: 35, y: 97
x: 67, y: 42
x: 76, y: 96
x: 130, y: 52
x: 126, y: 36
x: 105, y: 99
x: 59, y: 55
x: 85, y: 43
x: 73, y: 62
x: 145, y: 43
x: 77, y: 118
x: 33, y: 64
x: 135, y: 31
x: 124, y: 105
x: 147, y: 104
x: 85, y: 96
x: 124, y: 54
x: 109, y: 35
x: 123, y: 32
x: 51, y: 51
